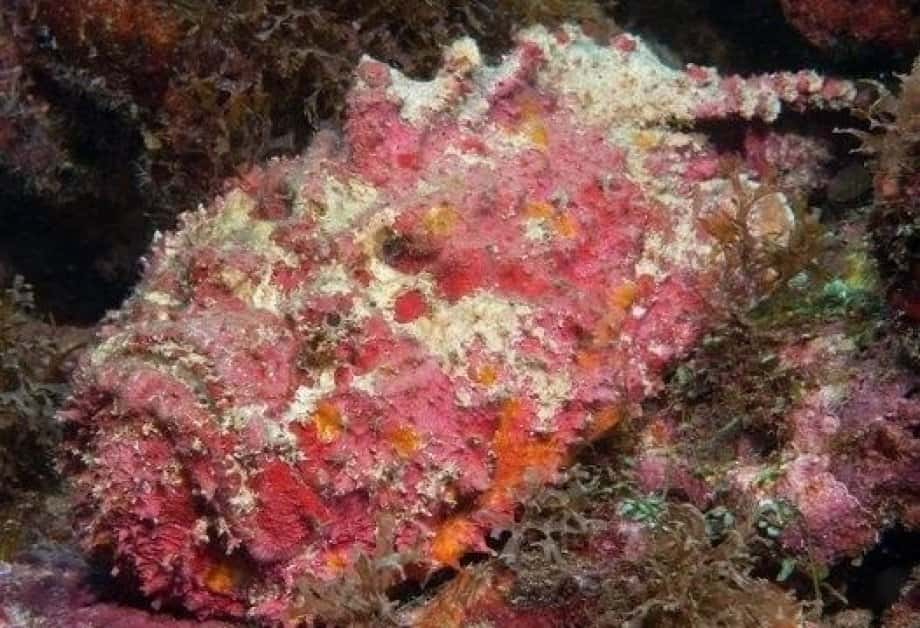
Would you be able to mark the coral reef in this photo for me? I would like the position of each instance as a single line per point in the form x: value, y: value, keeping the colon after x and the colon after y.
x: 426, y: 317
x: 360, y: 369
x: 890, y: 24
x: 25, y: 132
x: 350, y: 389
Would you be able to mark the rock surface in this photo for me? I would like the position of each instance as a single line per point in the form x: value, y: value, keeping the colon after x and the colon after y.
x: 56, y: 590
x: 836, y: 24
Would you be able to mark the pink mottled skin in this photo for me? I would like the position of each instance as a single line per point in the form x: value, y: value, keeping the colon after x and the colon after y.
x: 231, y: 438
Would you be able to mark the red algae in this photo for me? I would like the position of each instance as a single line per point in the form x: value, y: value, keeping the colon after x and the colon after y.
x: 425, y: 320
x: 887, y: 24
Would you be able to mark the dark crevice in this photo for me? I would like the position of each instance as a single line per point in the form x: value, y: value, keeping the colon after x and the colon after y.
x: 745, y: 37
x: 79, y: 244
x: 727, y: 135
x: 411, y: 589
x: 122, y: 589
x: 78, y: 272
x: 875, y: 584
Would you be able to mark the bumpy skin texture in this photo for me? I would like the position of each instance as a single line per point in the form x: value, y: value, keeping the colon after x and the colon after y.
x: 421, y: 320
x: 888, y: 24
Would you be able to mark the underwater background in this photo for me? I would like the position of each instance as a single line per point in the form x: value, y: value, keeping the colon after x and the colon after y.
x: 509, y: 313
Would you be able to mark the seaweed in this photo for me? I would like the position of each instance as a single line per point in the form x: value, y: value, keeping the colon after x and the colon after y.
x: 755, y: 264
x: 30, y: 389
x: 545, y: 548
x: 365, y: 593
x: 892, y: 145
x: 687, y: 579
x: 695, y: 568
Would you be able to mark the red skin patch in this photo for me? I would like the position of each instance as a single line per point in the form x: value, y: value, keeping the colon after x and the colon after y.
x: 409, y: 306
x: 384, y: 148
x: 287, y: 512
x: 624, y: 43
x: 461, y: 274
x: 513, y: 278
